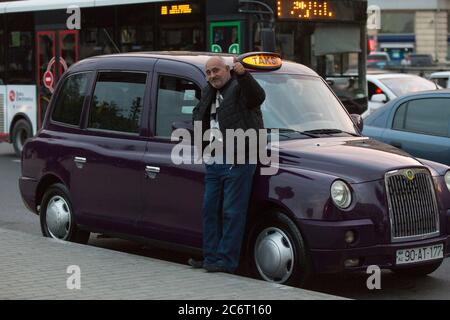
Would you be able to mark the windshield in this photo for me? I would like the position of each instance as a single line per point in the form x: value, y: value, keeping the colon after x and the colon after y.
x: 402, y: 86
x: 301, y: 103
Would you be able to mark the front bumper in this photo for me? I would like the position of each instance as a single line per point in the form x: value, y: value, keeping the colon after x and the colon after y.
x: 329, y: 251
x: 383, y: 256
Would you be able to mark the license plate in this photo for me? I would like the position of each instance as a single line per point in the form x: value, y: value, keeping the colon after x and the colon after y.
x: 414, y: 255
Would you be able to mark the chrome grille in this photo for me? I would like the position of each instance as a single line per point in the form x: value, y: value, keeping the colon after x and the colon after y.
x: 412, y: 204
x: 2, y: 113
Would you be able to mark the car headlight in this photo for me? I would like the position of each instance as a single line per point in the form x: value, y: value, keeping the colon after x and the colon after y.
x: 341, y: 195
x: 447, y: 179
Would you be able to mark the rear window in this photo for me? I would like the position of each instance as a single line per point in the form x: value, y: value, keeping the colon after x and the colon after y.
x: 71, y: 98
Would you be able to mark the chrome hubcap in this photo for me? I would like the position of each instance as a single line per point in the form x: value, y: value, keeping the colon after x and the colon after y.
x: 274, y: 255
x: 58, y: 218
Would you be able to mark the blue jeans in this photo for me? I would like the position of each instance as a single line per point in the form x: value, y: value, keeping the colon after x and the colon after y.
x: 223, y: 235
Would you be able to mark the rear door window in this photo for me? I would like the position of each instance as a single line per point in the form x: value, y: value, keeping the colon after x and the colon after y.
x: 70, y: 100
x: 118, y: 101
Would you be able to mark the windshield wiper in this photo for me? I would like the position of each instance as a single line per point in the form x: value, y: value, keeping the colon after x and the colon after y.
x: 287, y: 130
x: 330, y: 131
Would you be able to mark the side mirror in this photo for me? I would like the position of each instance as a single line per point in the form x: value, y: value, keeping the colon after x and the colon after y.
x: 381, y: 97
x: 358, y: 121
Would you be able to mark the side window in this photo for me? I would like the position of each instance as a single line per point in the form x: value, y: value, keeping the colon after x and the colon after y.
x: 117, y: 101
x: 69, y: 105
x: 442, y: 82
x: 428, y: 116
x: 399, y: 117
x: 177, y: 98
x: 20, y: 47
x: 373, y: 89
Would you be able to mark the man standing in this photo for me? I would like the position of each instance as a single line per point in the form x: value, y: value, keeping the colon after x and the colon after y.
x: 231, y: 100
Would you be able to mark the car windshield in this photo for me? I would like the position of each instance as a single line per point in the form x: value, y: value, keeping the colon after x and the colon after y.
x: 301, y: 103
x: 402, y: 86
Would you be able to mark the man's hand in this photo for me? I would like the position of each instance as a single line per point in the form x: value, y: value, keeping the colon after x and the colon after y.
x: 238, y: 67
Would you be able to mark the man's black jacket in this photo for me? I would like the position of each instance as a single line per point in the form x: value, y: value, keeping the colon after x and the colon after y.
x: 240, y: 108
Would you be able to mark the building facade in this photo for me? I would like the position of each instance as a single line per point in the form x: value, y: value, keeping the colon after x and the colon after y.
x: 413, y: 26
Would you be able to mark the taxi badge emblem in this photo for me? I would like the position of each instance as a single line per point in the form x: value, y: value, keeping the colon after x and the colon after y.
x: 409, y: 175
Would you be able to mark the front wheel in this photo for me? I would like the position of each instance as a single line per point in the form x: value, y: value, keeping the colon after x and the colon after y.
x: 278, y: 253
x: 57, y: 218
x: 419, y: 271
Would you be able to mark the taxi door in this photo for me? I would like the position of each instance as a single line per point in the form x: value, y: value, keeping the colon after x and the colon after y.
x: 172, y: 193
x: 107, y: 167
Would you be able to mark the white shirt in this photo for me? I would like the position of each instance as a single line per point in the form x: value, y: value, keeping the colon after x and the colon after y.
x: 214, y: 120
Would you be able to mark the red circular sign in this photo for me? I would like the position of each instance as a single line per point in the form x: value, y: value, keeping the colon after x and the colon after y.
x: 12, y: 96
x: 48, y: 79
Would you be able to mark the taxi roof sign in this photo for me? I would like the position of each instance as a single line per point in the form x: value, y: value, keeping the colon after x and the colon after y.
x: 261, y: 60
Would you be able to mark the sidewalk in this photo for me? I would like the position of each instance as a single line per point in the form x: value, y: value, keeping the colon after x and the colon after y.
x: 33, y: 267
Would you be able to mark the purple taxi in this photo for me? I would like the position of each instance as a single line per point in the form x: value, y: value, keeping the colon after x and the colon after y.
x: 338, y: 201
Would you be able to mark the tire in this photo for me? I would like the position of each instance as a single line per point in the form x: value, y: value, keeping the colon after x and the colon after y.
x: 20, y: 134
x: 419, y: 271
x: 277, y: 253
x: 57, y: 217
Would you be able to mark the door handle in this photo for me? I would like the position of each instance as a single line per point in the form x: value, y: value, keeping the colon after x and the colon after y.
x: 79, y: 162
x: 151, y: 172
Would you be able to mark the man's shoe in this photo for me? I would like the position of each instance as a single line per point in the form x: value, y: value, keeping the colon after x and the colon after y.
x: 196, y: 264
x: 215, y: 268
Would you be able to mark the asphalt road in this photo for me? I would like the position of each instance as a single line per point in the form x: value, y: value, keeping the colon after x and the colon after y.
x: 14, y: 216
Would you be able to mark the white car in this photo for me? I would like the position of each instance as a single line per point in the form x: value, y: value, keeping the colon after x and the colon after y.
x: 441, y: 78
x: 387, y: 86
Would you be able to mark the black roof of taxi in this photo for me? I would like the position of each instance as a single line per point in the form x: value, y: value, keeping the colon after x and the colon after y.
x: 197, y: 59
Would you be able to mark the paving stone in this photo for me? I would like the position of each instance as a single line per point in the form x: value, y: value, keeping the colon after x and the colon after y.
x: 33, y: 267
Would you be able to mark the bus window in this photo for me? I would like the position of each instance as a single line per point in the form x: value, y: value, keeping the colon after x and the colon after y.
x: 20, y: 44
x: 135, y: 23
x: 178, y: 30
x: 96, y: 36
x: 182, y: 37
x: 2, y: 50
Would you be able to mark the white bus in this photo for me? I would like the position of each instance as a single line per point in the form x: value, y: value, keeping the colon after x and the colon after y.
x: 40, y: 39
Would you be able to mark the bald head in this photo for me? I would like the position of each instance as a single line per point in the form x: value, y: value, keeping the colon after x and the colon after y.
x: 217, y: 71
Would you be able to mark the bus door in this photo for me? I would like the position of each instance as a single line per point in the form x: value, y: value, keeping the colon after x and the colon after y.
x: 56, y: 52
x: 225, y: 37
